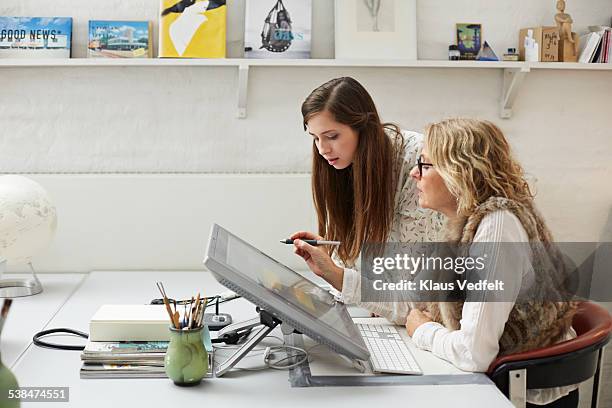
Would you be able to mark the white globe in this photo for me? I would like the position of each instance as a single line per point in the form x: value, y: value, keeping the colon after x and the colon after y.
x: 28, y: 219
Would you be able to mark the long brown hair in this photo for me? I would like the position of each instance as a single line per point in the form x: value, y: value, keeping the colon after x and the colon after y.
x: 354, y: 205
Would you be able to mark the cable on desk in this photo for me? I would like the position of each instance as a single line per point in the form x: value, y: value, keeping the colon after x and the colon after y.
x: 268, y: 353
x: 37, y: 339
x: 41, y: 343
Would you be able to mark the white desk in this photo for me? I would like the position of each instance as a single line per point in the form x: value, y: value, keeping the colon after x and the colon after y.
x: 267, y: 388
x: 29, y: 315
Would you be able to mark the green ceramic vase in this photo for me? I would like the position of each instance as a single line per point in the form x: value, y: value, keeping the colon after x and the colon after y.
x: 7, y: 382
x: 186, y: 359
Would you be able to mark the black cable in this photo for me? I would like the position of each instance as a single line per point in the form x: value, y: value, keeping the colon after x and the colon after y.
x: 229, y: 338
x: 41, y: 343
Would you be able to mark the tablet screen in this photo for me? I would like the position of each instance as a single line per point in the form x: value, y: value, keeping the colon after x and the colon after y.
x: 289, y: 285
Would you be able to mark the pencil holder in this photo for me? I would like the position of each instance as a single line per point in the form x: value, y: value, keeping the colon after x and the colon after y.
x: 186, y: 360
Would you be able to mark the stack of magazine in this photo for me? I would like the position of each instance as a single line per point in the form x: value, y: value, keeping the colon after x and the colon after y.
x: 128, y: 359
x: 124, y: 359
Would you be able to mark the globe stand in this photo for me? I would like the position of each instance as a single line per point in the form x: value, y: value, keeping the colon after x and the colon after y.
x: 12, y: 288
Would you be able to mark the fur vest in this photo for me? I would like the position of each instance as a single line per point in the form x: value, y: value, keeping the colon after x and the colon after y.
x: 531, y: 324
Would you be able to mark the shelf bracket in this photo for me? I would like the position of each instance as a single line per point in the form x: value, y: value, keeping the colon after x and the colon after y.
x: 243, y: 90
x: 513, y: 77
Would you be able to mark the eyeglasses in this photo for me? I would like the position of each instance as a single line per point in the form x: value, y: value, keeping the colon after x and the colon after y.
x: 420, y: 165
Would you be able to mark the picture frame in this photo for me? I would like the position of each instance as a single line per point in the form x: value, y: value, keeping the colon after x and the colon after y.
x: 469, y: 39
x: 375, y: 29
x: 265, y: 37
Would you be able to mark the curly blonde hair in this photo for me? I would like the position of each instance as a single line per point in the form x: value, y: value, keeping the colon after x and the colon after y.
x: 475, y: 161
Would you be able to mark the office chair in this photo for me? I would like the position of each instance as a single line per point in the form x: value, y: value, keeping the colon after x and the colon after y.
x: 565, y: 363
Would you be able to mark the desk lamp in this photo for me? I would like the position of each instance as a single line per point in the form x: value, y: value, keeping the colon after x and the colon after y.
x: 27, y: 224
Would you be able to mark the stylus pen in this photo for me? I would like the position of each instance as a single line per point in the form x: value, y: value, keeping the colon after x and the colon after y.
x: 312, y: 242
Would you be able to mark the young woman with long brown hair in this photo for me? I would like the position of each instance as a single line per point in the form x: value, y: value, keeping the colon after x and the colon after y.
x: 361, y: 188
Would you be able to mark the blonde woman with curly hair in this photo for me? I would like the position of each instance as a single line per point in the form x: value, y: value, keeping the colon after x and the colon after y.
x: 466, y: 171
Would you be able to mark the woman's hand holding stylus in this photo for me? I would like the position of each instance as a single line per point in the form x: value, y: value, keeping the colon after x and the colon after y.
x: 306, y: 235
x: 318, y: 261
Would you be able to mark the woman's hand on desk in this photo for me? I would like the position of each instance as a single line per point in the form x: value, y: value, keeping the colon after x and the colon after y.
x: 415, y: 319
x: 319, y: 262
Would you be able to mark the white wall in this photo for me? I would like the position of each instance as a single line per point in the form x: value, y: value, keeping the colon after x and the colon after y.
x: 163, y: 221
x: 182, y: 119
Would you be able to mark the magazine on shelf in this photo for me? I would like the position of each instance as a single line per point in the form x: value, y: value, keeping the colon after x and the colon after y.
x: 192, y: 29
x: 278, y: 29
x: 119, y: 39
x: 35, y: 37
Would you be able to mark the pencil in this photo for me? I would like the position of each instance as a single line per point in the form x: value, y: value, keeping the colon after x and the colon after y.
x: 162, y: 290
x: 190, y: 320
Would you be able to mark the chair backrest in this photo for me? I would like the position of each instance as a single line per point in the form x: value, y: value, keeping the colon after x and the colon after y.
x: 565, y: 363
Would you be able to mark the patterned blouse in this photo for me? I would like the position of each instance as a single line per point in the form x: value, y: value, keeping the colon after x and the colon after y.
x: 410, y: 224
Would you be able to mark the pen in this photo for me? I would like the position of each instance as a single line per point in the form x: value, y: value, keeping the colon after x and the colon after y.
x: 312, y: 242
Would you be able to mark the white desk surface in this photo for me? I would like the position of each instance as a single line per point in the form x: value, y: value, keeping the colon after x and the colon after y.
x: 267, y: 388
x: 30, y: 314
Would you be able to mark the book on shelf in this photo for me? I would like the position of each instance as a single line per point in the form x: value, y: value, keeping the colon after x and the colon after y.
x: 598, y: 45
x: 35, y: 37
x: 119, y: 39
x: 278, y: 29
x: 604, y: 46
x: 192, y: 29
x: 589, y: 44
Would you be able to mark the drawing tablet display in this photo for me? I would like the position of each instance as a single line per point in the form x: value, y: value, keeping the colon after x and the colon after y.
x: 282, y: 292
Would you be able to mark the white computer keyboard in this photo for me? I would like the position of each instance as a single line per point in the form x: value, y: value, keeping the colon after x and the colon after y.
x: 388, y: 352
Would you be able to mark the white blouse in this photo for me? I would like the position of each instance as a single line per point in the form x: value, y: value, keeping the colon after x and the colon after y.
x: 410, y: 224
x: 476, y: 344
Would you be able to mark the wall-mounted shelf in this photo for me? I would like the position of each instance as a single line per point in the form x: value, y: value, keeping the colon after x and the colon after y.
x: 513, y: 72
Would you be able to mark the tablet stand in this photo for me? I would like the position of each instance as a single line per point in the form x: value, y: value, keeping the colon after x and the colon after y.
x: 266, y: 320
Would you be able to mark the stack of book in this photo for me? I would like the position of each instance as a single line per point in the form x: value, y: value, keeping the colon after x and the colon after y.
x: 103, y: 359
x: 596, y: 46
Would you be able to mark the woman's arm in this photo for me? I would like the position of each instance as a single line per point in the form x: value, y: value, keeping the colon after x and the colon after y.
x: 413, y: 225
x: 395, y: 310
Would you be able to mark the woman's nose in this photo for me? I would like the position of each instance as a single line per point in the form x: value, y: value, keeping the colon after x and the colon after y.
x: 414, y: 173
x: 324, y: 148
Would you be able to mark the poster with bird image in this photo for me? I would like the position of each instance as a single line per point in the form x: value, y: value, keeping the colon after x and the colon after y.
x: 192, y: 29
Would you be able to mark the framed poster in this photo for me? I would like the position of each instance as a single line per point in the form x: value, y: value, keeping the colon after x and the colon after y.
x: 278, y: 29
x: 381, y: 29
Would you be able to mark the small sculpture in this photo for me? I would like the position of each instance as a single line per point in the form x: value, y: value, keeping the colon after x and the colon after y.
x: 564, y: 23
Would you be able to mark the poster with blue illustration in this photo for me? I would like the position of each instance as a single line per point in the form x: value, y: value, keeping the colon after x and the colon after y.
x: 278, y: 29
x: 35, y: 37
